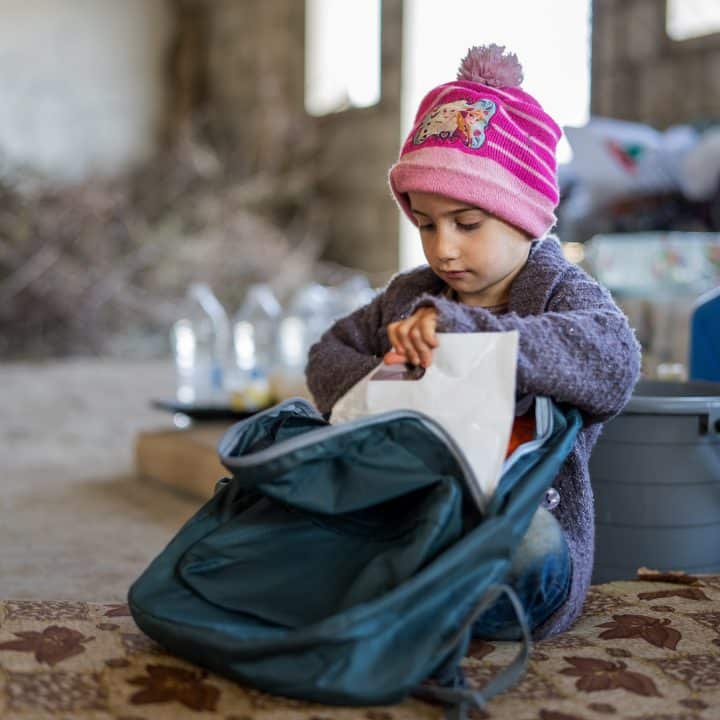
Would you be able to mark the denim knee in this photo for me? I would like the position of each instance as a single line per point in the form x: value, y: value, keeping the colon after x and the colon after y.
x: 544, y: 541
x: 539, y: 575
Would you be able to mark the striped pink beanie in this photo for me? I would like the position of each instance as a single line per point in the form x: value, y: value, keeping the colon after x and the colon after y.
x: 484, y: 141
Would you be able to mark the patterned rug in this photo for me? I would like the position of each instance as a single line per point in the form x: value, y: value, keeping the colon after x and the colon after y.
x: 643, y: 650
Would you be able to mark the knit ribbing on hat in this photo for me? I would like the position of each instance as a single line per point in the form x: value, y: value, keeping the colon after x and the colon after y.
x: 481, y: 183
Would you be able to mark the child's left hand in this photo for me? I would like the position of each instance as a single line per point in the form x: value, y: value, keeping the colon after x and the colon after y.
x: 413, y: 339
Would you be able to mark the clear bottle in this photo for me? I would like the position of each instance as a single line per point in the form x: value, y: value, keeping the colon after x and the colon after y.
x: 255, y: 327
x: 317, y: 307
x: 200, y: 342
x: 308, y: 316
x: 352, y: 294
x: 311, y: 311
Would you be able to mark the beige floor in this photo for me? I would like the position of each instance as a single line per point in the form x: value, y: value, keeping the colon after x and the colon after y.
x: 74, y: 521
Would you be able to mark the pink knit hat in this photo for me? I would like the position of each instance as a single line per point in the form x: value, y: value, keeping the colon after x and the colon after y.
x: 484, y: 141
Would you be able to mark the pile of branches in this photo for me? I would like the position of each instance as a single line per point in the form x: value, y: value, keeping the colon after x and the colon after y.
x: 101, y: 268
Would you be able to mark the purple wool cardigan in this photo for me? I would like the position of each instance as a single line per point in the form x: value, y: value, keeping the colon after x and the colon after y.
x: 575, y: 346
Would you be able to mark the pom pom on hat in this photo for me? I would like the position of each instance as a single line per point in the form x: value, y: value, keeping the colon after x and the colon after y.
x: 490, y: 65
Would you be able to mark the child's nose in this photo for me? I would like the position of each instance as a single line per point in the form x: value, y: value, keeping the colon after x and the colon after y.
x: 446, y: 244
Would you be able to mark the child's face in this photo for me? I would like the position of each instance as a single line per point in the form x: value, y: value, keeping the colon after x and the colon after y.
x: 475, y: 253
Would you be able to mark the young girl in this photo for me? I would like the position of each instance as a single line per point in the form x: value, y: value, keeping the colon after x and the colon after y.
x: 477, y: 176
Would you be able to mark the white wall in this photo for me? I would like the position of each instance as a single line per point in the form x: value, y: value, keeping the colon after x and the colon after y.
x: 81, y: 84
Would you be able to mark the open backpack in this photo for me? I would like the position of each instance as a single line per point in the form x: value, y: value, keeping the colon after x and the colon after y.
x: 345, y: 564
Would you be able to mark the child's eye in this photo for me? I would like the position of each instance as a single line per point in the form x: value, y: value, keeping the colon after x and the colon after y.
x: 425, y: 227
x: 467, y: 227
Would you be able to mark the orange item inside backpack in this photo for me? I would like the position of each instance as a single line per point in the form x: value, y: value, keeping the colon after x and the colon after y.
x: 523, y: 431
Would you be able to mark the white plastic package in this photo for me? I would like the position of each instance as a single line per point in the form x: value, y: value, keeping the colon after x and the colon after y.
x: 469, y: 389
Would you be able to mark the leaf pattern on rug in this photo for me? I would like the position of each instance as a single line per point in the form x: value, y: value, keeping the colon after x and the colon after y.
x: 594, y: 674
x: 135, y: 643
x: 693, y: 704
x: 598, y: 602
x: 51, y: 646
x: 604, y: 708
x: 54, y: 694
x: 618, y: 652
x: 118, y: 610
x: 531, y: 686
x: 668, y: 576
x: 699, y: 672
x: 686, y: 680
x: 166, y: 683
x: 555, y: 715
x: 666, y: 716
x: 48, y: 610
x: 656, y: 631
x: 710, y: 619
x: 260, y: 700
x: 378, y: 715
x: 565, y: 641
x: 480, y: 648
x: 690, y: 593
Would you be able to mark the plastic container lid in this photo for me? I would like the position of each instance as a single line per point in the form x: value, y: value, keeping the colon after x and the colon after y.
x: 661, y: 397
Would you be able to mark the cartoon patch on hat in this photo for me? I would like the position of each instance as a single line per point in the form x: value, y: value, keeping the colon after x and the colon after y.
x: 460, y: 119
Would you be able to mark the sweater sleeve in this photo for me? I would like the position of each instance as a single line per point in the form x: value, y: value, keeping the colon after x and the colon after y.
x: 581, y: 351
x: 345, y: 353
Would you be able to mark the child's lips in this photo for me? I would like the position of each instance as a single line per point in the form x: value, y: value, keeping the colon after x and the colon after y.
x: 455, y: 274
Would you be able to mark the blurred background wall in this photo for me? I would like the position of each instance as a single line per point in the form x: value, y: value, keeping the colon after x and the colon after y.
x: 641, y: 73
x: 149, y: 144
x: 83, y: 91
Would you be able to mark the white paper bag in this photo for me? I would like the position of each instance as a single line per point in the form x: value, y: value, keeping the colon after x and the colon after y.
x: 469, y: 389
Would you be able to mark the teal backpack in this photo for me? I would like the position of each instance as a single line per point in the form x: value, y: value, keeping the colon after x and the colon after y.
x: 345, y: 564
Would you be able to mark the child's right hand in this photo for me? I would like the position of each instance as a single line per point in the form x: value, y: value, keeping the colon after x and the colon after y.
x: 414, y: 339
x: 394, y: 358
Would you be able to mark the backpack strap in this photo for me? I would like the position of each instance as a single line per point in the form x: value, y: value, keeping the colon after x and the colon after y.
x: 459, y: 699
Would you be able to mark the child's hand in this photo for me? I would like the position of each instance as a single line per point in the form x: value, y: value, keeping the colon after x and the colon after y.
x: 394, y: 358
x: 413, y: 339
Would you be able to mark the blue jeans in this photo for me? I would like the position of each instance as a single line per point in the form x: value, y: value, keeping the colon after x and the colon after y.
x: 540, y: 576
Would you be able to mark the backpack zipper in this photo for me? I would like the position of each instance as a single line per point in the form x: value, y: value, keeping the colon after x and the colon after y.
x: 543, y: 420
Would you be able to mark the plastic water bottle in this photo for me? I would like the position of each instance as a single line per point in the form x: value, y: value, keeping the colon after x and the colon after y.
x: 255, y: 328
x: 312, y: 310
x: 200, y: 340
x: 308, y: 316
x: 315, y: 306
x: 352, y: 294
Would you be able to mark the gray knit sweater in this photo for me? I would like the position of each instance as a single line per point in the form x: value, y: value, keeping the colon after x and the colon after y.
x: 575, y: 346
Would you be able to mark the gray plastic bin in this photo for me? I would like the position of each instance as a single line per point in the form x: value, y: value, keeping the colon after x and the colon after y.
x: 655, y: 472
